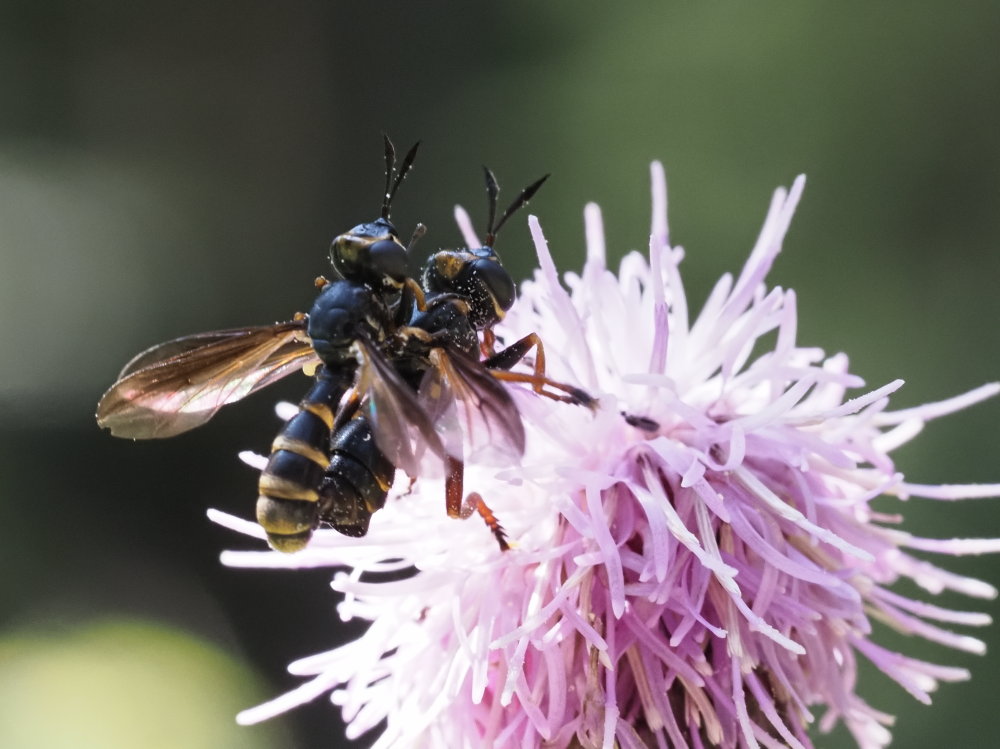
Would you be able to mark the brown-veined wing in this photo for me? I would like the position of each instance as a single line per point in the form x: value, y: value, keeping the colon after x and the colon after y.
x: 474, y: 410
x: 179, y: 385
x: 404, y: 431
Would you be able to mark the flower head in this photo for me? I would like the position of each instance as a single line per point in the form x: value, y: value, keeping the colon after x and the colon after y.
x: 697, y: 564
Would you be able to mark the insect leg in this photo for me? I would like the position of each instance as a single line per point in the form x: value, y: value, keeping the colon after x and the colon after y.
x: 508, y: 357
x: 488, y: 347
x: 570, y: 393
x: 412, y: 295
x: 349, y: 405
x: 515, y: 352
x: 463, y: 508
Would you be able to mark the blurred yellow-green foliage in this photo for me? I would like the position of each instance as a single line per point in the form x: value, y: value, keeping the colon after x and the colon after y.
x: 121, y: 684
x: 171, y: 168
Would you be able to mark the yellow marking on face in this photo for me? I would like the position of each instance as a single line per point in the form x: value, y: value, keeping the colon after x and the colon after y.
x: 449, y: 264
x: 350, y: 247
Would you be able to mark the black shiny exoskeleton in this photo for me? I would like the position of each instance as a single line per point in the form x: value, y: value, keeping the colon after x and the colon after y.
x: 371, y: 253
x: 468, y: 291
x: 433, y: 364
x: 319, y: 469
x: 181, y: 384
x: 289, y: 506
x: 394, y: 365
x: 476, y: 274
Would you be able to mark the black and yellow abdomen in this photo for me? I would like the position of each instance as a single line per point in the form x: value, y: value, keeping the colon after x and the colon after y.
x: 357, y: 481
x: 287, y: 507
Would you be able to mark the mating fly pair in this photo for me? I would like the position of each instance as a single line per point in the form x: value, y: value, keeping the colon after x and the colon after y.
x: 400, y: 377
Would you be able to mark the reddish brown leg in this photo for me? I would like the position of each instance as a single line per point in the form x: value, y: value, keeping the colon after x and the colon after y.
x: 489, y: 345
x: 463, y: 508
x: 475, y: 502
x: 348, y: 407
x: 417, y: 292
x: 411, y: 294
x: 501, y: 361
x: 409, y: 487
x: 515, y: 352
x: 570, y: 393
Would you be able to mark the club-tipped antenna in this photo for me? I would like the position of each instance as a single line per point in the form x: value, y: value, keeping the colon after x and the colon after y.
x: 493, y: 190
x: 391, y: 185
x: 418, y: 231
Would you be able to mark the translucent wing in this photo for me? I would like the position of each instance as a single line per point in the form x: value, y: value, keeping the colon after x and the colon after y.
x: 403, y: 430
x: 169, y: 349
x: 179, y: 385
x: 460, y: 393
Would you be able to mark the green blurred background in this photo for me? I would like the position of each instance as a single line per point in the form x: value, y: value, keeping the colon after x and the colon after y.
x: 177, y: 168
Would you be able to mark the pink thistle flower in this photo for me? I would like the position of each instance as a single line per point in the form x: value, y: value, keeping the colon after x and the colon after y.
x: 702, y: 572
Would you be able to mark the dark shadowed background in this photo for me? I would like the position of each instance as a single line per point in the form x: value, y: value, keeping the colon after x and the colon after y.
x: 167, y: 170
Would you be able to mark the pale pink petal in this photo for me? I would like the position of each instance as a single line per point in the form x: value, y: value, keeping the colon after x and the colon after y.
x: 698, y: 563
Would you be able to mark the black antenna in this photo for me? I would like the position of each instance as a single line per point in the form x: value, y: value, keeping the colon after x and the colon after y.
x: 493, y: 190
x: 390, y: 163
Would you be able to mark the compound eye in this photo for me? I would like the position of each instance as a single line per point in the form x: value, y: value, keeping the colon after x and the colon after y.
x: 388, y: 260
x: 497, y: 281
